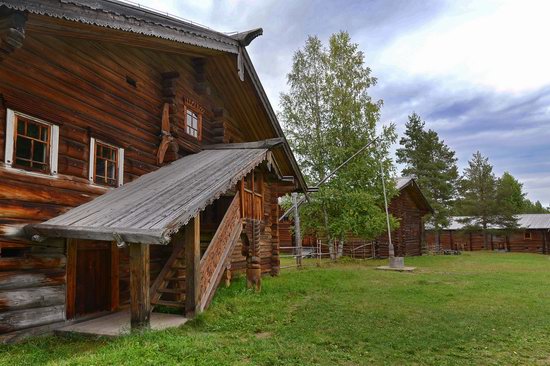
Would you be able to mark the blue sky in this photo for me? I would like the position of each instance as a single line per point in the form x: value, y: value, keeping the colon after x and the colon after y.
x: 477, y: 71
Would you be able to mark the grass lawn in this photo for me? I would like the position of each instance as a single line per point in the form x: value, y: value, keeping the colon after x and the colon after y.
x: 477, y: 308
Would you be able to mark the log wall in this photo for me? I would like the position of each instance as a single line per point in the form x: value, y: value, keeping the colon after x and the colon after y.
x: 473, y: 241
x: 32, y: 288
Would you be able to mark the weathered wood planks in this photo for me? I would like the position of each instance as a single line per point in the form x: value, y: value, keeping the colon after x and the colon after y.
x: 32, y: 298
x: 11, y: 280
x: 21, y: 319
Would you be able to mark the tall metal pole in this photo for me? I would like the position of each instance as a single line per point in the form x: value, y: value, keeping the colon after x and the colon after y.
x: 297, y: 231
x: 391, y: 251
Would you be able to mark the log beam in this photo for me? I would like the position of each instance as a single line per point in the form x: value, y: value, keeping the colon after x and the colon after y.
x: 192, y: 264
x: 140, y: 301
x: 12, y: 32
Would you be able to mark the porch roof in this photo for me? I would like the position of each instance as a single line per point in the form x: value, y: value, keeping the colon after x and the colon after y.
x: 153, y: 207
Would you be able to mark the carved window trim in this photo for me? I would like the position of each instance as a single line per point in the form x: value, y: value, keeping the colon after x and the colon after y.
x: 190, y: 106
x: 119, y: 163
x: 52, y: 142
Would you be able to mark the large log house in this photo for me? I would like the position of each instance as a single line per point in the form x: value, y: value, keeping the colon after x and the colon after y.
x: 133, y: 146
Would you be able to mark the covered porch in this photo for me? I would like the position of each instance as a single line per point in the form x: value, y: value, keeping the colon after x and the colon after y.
x: 162, y: 209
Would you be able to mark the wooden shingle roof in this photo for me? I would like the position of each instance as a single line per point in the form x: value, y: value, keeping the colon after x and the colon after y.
x: 153, y: 207
x: 402, y: 183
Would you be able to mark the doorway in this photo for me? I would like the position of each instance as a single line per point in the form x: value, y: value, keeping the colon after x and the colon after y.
x: 92, y: 277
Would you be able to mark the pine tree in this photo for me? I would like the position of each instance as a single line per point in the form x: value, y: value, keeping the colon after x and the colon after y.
x: 427, y: 157
x: 509, y: 201
x: 510, y: 193
x: 480, y: 199
x: 530, y: 207
x: 328, y: 115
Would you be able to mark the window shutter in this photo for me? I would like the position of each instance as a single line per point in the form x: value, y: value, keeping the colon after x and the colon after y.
x: 120, y: 166
x: 54, y: 149
x: 91, y: 166
x: 10, y: 131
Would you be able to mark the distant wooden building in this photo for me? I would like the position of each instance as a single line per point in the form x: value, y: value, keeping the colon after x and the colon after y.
x: 409, y: 207
x: 531, y: 237
x: 132, y: 147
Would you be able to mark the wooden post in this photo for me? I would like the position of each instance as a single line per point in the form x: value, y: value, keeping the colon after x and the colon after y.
x: 297, y: 231
x: 115, y: 292
x: 275, y: 259
x: 192, y: 263
x: 544, y: 250
x: 71, y: 279
x: 140, y: 300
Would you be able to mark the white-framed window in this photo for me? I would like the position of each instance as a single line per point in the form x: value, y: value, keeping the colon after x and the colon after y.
x: 192, y: 121
x: 106, y: 164
x: 32, y: 144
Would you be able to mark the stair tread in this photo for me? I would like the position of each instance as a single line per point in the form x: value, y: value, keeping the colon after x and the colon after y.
x: 171, y: 290
x: 174, y: 304
x: 176, y: 278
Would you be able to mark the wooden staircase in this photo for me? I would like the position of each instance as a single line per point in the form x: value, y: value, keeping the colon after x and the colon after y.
x: 170, y: 285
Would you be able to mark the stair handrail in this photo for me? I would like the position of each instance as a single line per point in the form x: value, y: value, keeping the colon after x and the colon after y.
x: 226, y: 236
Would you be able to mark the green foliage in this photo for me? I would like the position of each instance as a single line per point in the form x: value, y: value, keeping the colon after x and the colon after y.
x: 472, y: 309
x: 328, y: 115
x: 530, y: 207
x: 510, y: 196
x: 478, y: 193
x: 484, y: 198
x: 433, y: 163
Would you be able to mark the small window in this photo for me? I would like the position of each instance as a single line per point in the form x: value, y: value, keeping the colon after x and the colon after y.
x: 106, y: 164
x: 31, y: 144
x: 193, y: 121
x: 527, y: 235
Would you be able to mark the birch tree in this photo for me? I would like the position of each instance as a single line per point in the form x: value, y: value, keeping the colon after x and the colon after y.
x: 328, y: 115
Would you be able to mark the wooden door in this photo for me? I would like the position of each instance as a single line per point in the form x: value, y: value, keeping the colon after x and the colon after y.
x: 92, y: 277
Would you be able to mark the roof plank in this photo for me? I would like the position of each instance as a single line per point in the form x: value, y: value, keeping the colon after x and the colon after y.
x: 154, y: 206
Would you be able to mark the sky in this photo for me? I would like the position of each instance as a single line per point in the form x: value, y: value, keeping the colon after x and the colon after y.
x: 478, y: 72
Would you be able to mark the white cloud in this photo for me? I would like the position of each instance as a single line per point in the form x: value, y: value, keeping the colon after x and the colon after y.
x: 499, y: 45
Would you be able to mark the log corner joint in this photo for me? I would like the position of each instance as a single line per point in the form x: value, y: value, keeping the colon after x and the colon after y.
x: 12, y: 32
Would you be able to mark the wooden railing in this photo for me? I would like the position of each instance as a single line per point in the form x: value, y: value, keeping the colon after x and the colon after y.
x: 218, y: 254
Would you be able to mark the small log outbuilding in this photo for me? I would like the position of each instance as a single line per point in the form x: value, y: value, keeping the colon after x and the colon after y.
x: 133, y: 148
x: 409, y: 207
x: 532, y: 236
